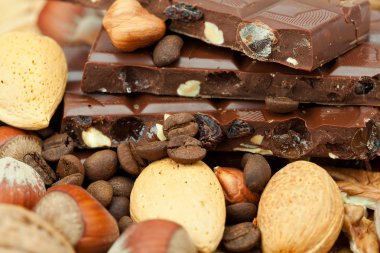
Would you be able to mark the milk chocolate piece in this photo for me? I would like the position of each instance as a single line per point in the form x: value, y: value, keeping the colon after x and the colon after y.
x: 352, y: 79
x: 351, y: 132
x: 302, y: 34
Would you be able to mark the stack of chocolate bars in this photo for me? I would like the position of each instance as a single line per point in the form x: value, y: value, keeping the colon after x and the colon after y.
x: 284, y: 78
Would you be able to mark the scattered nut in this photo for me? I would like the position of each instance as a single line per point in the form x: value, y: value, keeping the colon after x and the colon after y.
x: 93, y: 138
x: 185, y: 149
x: 241, y: 237
x: 56, y: 146
x: 241, y: 212
x: 213, y: 34
x: 257, y: 172
x: 79, y: 217
x: 102, y: 191
x: 154, y: 236
x: 130, y: 26
x: 122, y: 186
x: 69, y: 164
x: 234, y: 188
x: 101, y: 165
x: 190, y: 88
x: 281, y: 104
x: 167, y: 50
x: 124, y: 223
x: 19, y: 183
x: 119, y: 207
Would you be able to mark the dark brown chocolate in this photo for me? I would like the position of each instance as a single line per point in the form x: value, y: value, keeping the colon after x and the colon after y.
x: 302, y: 34
x: 352, y: 79
x: 95, y: 120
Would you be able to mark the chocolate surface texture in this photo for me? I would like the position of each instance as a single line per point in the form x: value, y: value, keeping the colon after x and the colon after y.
x: 352, y: 79
x: 350, y: 132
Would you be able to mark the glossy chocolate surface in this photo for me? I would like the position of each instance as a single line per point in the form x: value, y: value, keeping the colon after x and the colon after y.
x: 325, y: 131
x: 352, y: 79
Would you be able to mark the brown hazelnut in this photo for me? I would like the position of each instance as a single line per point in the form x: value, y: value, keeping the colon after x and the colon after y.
x: 154, y: 236
x: 102, y: 191
x: 234, y: 188
x: 101, y: 165
x: 8, y: 132
x: 79, y: 217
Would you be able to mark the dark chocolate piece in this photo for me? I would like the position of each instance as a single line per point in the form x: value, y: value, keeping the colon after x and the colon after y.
x: 95, y: 120
x: 352, y: 79
x: 302, y: 34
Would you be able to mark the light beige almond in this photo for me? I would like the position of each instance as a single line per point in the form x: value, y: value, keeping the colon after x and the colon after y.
x: 32, y: 81
x: 187, y: 194
x: 300, y: 210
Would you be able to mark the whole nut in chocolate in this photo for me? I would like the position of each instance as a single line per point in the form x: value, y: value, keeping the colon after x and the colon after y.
x: 167, y: 50
x: 185, y: 149
x: 56, y: 146
x: 180, y: 124
x: 241, y: 237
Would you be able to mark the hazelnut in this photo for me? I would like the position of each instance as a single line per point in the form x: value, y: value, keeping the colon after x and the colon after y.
x: 8, y: 132
x: 154, y: 236
x: 20, y: 184
x: 190, y: 88
x: 122, y: 186
x: 130, y: 26
x: 24, y: 231
x: 79, y: 217
x: 234, y: 188
x: 213, y: 34
x: 93, y: 138
x: 102, y: 191
x: 101, y: 165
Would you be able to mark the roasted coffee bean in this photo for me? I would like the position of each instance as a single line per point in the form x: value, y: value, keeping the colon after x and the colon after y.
x: 37, y: 162
x: 183, y: 12
x: 210, y: 132
x: 257, y: 172
x: 140, y: 161
x: 180, y: 124
x: 152, y: 151
x: 119, y: 207
x: 185, y: 149
x: 101, y: 165
x: 241, y: 212
x: 102, y: 191
x: 127, y: 160
x: 241, y: 237
x: 74, y: 179
x: 122, y: 186
x: 124, y: 223
x: 281, y: 104
x: 69, y: 164
x: 57, y: 146
x: 167, y: 50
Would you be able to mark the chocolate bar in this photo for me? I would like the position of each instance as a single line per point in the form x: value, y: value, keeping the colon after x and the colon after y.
x: 352, y: 79
x: 301, y: 34
x: 97, y: 120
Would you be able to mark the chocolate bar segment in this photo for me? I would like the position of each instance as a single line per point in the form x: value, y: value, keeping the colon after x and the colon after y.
x: 352, y: 79
x: 96, y: 120
x: 301, y: 34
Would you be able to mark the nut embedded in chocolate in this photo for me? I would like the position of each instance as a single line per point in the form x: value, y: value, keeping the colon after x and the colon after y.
x: 57, y: 146
x: 183, y: 12
x: 152, y: 151
x: 185, y: 149
x: 281, y: 104
x: 167, y: 50
x: 257, y: 172
x: 210, y: 132
x: 101, y: 165
x: 180, y: 124
x: 241, y: 237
